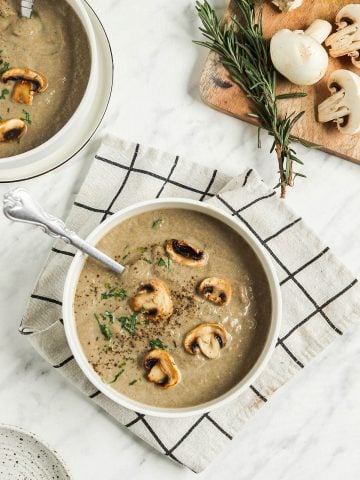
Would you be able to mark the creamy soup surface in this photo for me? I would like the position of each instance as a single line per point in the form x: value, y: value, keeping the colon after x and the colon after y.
x: 54, y: 43
x: 138, y: 243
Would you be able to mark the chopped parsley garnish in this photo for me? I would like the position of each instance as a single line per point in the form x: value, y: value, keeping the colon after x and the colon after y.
x: 4, y: 92
x: 147, y: 260
x: 113, y: 292
x: 104, y: 329
x: 109, y: 316
x: 166, y: 264
x: 142, y: 249
x: 129, y: 323
x: 27, y: 117
x: 117, y: 375
x: 4, y: 67
x: 161, y: 262
x: 158, y: 343
x: 125, y: 256
x: 133, y: 382
x: 156, y: 223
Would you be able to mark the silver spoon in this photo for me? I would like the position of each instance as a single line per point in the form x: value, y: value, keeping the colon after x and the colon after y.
x: 19, y: 206
x: 26, y: 8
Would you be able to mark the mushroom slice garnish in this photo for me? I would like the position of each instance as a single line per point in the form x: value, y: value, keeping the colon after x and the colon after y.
x: 154, y: 300
x: 27, y: 82
x: 207, y: 338
x: 216, y: 290
x: 12, y: 129
x: 185, y: 253
x: 161, y: 368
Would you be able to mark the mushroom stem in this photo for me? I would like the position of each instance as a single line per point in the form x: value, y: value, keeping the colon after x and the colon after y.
x: 319, y: 30
x: 332, y: 109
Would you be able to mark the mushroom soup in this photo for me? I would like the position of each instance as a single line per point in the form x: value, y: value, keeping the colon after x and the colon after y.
x: 44, y: 67
x: 187, y: 319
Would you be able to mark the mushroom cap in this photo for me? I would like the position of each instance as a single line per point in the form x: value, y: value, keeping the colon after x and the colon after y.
x: 37, y: 79
x: 345, y: 85
x: 298, y: 57
x: 12, y: 129
x: 161, y: 368
x: 348, y: 12
x: 185, y: 253
x: 209, y: 338
x: 154, y: 300
x: 216, y: 290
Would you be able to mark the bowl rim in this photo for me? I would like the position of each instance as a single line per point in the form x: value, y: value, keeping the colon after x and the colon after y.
x: 79, y: 8
x: 69, y: 318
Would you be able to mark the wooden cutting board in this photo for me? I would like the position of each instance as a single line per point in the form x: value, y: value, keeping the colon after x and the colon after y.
x: 218, y: 91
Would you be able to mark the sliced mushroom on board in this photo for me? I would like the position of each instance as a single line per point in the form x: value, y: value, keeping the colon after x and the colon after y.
x: 161, y: 368
x: 185, y: 253
x: 216, y: 290
x: 346, y: 41
x: 12, y: 129
x: 207, y: 338
x: 343, y: 106
x: 154, y: 300
x: 27, y: 83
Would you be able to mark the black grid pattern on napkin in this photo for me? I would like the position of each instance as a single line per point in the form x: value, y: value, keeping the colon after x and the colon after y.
x: 238, y: 211
x: 203, y: 194
x: 292, y: 276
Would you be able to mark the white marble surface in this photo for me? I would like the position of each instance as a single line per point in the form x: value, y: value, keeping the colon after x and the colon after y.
x: 310, y: 428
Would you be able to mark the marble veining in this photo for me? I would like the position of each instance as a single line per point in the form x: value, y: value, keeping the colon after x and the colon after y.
x: 308, y: 429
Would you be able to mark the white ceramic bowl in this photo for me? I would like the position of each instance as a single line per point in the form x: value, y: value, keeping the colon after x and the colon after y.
x: 56, y: 142
x: 72, y: 280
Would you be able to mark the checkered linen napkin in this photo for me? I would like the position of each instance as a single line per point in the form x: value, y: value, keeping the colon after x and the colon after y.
x: 320, y: 296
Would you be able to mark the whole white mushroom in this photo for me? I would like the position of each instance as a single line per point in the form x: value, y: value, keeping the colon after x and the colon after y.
x: 298, y: 55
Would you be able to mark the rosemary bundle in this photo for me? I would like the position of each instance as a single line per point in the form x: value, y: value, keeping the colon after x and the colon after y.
x: 245, y: 53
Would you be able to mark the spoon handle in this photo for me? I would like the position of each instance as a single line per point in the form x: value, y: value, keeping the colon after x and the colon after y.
x: 19, y: 206
x: 26, y: 8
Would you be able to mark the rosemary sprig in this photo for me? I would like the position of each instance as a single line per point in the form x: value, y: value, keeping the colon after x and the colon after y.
x: 245, y: 53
